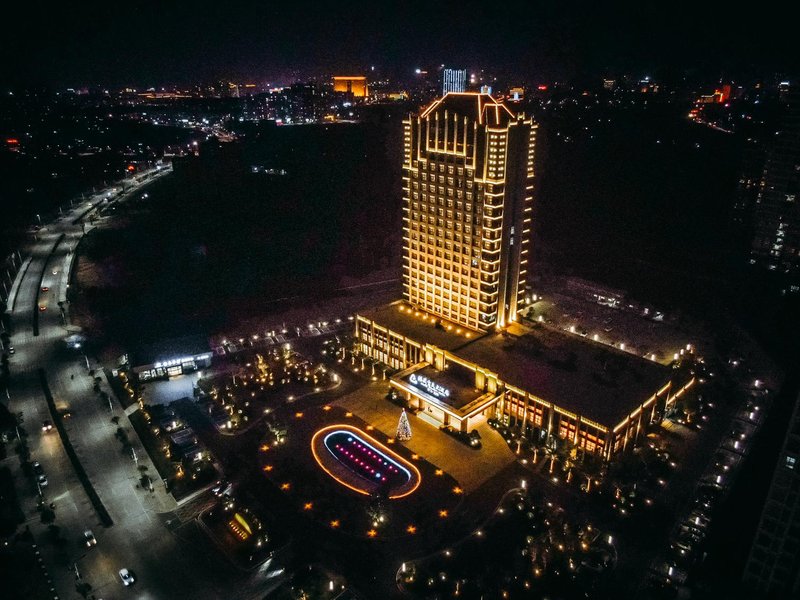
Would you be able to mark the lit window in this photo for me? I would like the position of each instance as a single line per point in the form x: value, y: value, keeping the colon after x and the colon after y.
x: 790, y: 460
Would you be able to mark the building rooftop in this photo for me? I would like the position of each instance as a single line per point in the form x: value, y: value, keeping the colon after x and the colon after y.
x: 578, y: 375
x: 420, y: 326
x: 456, y: 379
x: 171, y: 349
x: 482, y: 108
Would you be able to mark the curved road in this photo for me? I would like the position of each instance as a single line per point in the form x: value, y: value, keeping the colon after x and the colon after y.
x: 169, y: 559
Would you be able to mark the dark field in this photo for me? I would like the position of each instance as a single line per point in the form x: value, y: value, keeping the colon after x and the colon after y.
x: 216, y: 243
x: 636, y: 198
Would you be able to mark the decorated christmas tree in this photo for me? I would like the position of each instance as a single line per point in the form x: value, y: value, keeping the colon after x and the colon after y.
x: 403, y: 428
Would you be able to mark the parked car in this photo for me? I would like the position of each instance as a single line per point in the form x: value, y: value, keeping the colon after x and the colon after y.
x: 221, y: 488
x: 126, y: 576
x: 89, y: 539
x: 38, y: 471
x: 47, y: 426
x: 471, y: 439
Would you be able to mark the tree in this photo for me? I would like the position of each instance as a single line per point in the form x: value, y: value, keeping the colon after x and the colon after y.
x: 552, y: 454
x: 403, y: 428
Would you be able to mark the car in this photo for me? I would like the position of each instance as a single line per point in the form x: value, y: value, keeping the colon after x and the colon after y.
x: 689, y: 529
x: 699, y: 519
x: 126, y: 576
x: 55, y: 271
x: 11, y: 350
x: 38, y: 471
x: 474, y: 438
x: 47, y: 426
x: 471, y: 439
x: 45, y: 288
x: 42, y: 307
x: 89, y: 538
x: 221, y: 488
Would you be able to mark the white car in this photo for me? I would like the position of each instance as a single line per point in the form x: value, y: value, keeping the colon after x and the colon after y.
x: 126, y: 576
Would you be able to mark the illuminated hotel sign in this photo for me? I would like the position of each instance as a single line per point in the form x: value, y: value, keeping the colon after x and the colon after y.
x: 434, y: 389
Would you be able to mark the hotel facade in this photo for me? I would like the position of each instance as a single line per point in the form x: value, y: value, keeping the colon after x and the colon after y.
x: 458, y: 354
x: 467, y: 202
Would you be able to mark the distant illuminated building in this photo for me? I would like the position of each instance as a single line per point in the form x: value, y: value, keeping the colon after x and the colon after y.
x: 776, y: 241
x: 647, y: 86
x: 486, y: 89
x: 773, y: 566
x: 515, y: 94
x: 468, y: 177
x: 357, y: 86
x: 454, y: 80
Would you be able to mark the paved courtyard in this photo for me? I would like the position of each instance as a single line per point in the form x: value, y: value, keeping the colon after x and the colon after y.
x: 469, y: 467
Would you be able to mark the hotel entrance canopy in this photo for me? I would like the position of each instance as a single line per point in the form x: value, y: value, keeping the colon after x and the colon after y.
x: 448, y: 396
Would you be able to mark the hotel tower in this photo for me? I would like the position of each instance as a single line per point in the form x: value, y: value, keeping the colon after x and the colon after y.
x: 452, y: 350
x: 467, y: 194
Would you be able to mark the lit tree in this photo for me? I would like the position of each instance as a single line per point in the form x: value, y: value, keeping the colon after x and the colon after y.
x: 403, y: 428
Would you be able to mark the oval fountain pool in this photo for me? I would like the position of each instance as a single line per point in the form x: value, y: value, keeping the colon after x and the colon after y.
x: 360, y: 462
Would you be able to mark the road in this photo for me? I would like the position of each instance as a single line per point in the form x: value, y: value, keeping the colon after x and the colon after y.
x: 169, y: 558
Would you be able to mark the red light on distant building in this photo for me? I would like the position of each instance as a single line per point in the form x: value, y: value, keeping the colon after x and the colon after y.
x: 12, y: 141
x: 542, y: 88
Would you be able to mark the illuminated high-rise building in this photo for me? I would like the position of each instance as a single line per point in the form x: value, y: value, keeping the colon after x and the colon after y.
x: 454, y: 80
x: 468, y: 174
x: 776, y: 240
x: 356, y: 85
x: 452, y: 349
x: 773, y: 566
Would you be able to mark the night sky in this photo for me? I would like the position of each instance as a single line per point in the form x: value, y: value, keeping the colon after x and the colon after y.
x: 151, y: 42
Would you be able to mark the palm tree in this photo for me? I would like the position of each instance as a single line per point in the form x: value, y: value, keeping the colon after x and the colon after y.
x: 552, y: 454
x: 591, y: 468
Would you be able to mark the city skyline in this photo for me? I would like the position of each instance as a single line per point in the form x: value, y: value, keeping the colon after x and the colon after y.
x: 399, y: 301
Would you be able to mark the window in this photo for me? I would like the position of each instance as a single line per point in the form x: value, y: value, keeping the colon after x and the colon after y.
x: 790, y: 462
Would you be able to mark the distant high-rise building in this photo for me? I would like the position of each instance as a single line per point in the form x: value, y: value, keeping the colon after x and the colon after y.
x: 454, y: 80
x: 773, y: 566
x: 515, y: 94
x: 357, y: 86
x: 776, y: 240
x: 468, y: 189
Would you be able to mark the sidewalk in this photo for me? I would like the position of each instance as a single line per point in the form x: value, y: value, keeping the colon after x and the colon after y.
x: 114, y: 475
